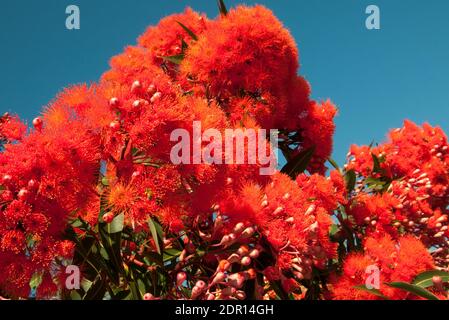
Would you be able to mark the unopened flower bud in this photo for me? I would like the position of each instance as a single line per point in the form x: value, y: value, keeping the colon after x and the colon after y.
x: 23, y: 194
x: 37, y: 123
x: 241, y: 295
x: 224, y: 265
x: 243, y: 250
x: 248, y: 232
x: 254, y: 254
x: 114, y: 125
x: 148, y: 296
x: 108, y: 217
x: 151, y: 89
x: 114, y: 102
x: 246, y: 261
x: 155, y: 97
x: 239, y: 227
x: 219, y: 277
x: 181, y: 277
x: 7, y: 178
x: 136, y: 86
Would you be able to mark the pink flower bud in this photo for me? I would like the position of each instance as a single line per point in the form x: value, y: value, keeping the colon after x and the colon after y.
x: 32, y: 184
x: 148, y: 296
x: 23, y: 194
x: 241, y: 295
x: 37, y: 123
x: 246, y: 261
x: 248, y: 232
x: 220, y: 277
x: 114, y: 102
x: 151, y: 89
x: 114, y: 125
x: 236, y: 280
x: 254, y: 254
x: 7, y: 178
x: 155, y: 97
x: 200, y: 284
x: 108, y: 217
x: 181, y: 277
x: 239, y: 227
x: 136, y: 86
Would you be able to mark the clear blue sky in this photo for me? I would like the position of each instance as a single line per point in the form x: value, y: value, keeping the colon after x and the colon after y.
x: 377, y: 78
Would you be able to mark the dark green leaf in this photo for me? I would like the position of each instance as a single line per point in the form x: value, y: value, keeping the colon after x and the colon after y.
x: 376, y: 167
x: 222, y: 7
x: 424, y: 279
x: 154, y: 233
x: 190, y: 32
x: 299, y: 163
x: 414, y: 289
x: 350, y: 178
x: 375, y: 292
x: 122, y: 295
x: 96, y: 291
x: 176, y: 59
x: 333, y: 163
x: 171, y: 254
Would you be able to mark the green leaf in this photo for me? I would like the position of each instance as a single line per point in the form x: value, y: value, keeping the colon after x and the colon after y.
x: 375, y: 292
x: 424, y: 279
x: 190, y: 32
x: 105, y: 181
x: 299, y: 163
x: 171, y: 254
x: 333, y: 163
x: 376, y: 162
x: 74, y: 295
x: 36, y: 280
x: 117, y: 224
x: 154, y: 233
x: 122, y: 295
x: 77, y: 223
x: 176, y: 59
x: 222, y: 7
x: 414, y: 289
x: 350, y: 178
x: 96, y: 291
x: 184, y: 45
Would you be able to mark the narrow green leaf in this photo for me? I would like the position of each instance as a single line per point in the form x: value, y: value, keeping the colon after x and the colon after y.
x: 154, y: 233
x: 414, y: 289
x: 376, y: 167
x: 222, y: 7
x: 375, y: 292
x: 350, y: 178
x: 176, y: 59
x: 96, y: 291
x: 333, y: 163
x: 299, y: 163
x: 189, y: 32
x: 184, y: 46
x: 424, y: 279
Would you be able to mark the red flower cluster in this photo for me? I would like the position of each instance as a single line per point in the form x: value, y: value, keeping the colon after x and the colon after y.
x: 97, y: 169
x: 400, y: 260
x: 413, y: 168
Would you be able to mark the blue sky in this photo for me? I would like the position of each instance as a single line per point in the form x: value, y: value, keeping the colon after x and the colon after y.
x: 377, y: 78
